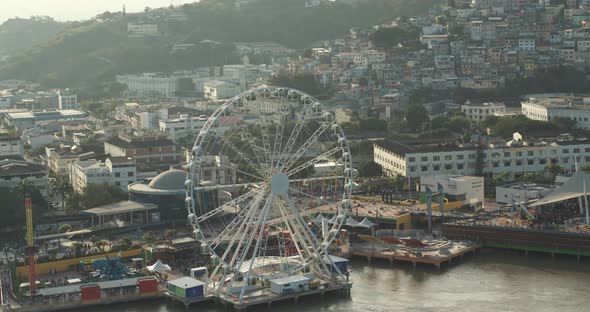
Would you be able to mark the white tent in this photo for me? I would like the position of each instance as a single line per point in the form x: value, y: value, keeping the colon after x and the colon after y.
x: 573, y: 188
x: 367, y: 223
x: 333, y: 219
x: 576, y: 187
x: 159, y: 267
x: 319, y: 218
x: 352, y: 222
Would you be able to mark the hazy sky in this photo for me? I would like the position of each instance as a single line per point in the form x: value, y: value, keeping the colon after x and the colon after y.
x: 75, y: 9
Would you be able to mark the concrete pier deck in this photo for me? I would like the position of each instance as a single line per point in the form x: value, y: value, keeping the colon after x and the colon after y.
x: 434, y: 256
x: 267, y: 298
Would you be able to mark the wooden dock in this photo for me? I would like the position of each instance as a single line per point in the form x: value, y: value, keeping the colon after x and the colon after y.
x: 404, y: 256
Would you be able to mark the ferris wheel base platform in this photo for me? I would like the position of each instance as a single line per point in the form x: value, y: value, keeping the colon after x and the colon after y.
x: 341, y: 290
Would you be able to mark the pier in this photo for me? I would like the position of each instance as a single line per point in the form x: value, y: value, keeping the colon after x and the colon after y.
x: 267, y: 298
x: 436, y: 256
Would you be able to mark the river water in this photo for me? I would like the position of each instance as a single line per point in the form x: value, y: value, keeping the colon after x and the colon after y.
x: 490, y: 281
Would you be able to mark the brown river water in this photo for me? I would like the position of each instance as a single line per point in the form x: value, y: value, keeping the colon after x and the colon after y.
x: 492, y: 280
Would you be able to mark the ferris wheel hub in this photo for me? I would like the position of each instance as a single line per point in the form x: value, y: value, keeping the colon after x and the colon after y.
x: 279, y: 183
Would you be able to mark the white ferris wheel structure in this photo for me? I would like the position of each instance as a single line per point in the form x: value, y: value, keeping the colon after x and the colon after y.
x: 285, y: 159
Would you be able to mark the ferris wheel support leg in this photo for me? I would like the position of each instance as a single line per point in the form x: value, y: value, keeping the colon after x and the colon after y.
x: 260, y: 225
x: 313, y: 241
x: 243, y: 230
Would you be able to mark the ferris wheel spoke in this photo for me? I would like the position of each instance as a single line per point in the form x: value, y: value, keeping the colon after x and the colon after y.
x: 278, y: 142
x: 246, y: 211
x: 259, y: 178
x: 310, y: 141
x: 243, y: 156
x: 242, y: 231
x: 311, y: 196
x: 229, y: 204
x: 266, y: 142
x: 309, y: 163
x: 293, y: 234
x: 295, y: 134
x: 315, y: 243
x: 227, y: 186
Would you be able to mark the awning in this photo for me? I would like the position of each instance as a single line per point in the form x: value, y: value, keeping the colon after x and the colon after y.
x: 367, y: 223
x: 352, y: 222
x: 319, y: 218
x: 573, y: 188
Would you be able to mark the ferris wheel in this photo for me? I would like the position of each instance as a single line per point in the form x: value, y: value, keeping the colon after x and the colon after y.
x: 263, y: 167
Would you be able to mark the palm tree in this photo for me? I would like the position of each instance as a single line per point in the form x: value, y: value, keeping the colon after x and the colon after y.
x: 60, y: 185
x: 24, y: 187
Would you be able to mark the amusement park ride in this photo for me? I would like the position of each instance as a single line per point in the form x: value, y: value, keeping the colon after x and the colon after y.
x: 276, y: 190
x: 31, y: 250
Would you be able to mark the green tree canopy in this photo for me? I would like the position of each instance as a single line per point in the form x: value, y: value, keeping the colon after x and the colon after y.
x: 370, y: 169
x: 394, y: 36
x: 416, y: 116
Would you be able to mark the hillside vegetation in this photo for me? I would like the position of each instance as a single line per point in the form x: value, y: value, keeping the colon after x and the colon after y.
x: 18, y: 34
x: 87, y: 54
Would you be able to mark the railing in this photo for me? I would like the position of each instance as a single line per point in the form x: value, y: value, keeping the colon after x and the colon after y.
x: 522, y: 227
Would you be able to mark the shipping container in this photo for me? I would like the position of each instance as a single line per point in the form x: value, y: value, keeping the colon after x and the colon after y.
x: 147, y: 285
x: 186, y: 287
x: 90, y: 292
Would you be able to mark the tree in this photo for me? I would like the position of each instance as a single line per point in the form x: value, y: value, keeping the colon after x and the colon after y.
x: 553, y: 170
x: 100, y: 245
x: 397, y: 182
x: 60, y: 185
x: 370, y: 169
x: 95, y: 195
x: 416, y: 115
x: 64, y: 228
x: 24, y: 188
x: 394, y: 36
x: 148, y: 237
x: 125, y: 243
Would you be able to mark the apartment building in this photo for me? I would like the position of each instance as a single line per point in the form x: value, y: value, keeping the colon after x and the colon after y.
x: 515, y: 157
x: 117, y: 171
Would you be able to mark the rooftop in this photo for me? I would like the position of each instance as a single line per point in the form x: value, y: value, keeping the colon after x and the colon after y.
x: 290, y: 279
x: 140, y: 144
x: 527, y: 186
x: 12, y: 167
x: 169, y: 180
x: 186, y: 282
x: 119, y: 208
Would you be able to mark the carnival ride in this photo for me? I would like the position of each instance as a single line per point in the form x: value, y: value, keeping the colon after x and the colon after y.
x: 274, y: 138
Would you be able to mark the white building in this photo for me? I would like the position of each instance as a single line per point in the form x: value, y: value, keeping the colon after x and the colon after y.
x: 433, y: 40
x: 11, y: 145
x: 183, y: 126
x: 515, y: 157
x: 466, y: 189
x: 216, y: 169
x: 216, y: 89
x: 149, y: 85
x: 547, y: 107
x: 479, y: 112
x: 67, y: 100
x: 520, y: 192
x: 117, y: 171
x: 141, y: 30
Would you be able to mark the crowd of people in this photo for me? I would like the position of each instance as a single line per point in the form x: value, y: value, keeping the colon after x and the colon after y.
x: 558, y: 214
